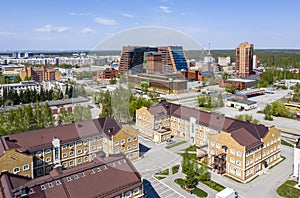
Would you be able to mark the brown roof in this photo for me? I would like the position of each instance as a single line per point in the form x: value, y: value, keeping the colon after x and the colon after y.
x: 116, y: 175
x: 163, y: 108
x: 245, y: 133
x: 42, y: 138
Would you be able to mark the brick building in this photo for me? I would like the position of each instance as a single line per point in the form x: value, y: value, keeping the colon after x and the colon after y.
x: 244, y: 59
x: 258, y: 146
x: 114, y: 176
x: 35, y: 153
x: 40, y: 74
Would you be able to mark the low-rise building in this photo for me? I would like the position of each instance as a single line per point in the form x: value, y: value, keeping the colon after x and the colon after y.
x: 255, y: 146
x: 241, y: 104
x: 17, y: 87
x: 35, y: 153
x: 166, y: 84
x: 239, y: 83
x: 114, y: 176
x: 106, y: 74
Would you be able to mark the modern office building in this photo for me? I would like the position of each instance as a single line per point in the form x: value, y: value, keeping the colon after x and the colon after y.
x: 35, y: 153
x: 165, y: 84
x: 114, y: 176
x: 244, y: 59
x: 239, y: 149
x: 40, y: 74
x: 172, y: 57
x: 154, y: 63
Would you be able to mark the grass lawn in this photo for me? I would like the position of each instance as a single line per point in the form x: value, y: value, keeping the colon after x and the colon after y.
x: 189, y: 156
x: 164, y: 172
x: 175, y: 169
x: 159, y: 177
x: 199, y: 192
x: 287, y: 189
x: 175, y: 144
x: 214, y: 185
x: 180, y: 181
x: 191, y: 148
x: 283, y: 142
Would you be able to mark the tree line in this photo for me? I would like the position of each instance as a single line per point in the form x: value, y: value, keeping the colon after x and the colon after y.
x: 12, y: 97
x: 273, y: 75
x: 27, y: 117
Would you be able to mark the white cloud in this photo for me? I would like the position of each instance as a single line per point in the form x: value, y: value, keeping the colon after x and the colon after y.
x: 165, y: 9
x: 51, y: 28
x: 87, y: 30
x: 128, y: 15
x: 105, y: 21
x: 79, y: 14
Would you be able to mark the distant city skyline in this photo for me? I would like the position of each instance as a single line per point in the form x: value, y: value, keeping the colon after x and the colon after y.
x: 84, y: 25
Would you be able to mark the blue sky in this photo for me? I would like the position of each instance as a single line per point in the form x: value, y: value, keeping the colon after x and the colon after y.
x: 67, y: 24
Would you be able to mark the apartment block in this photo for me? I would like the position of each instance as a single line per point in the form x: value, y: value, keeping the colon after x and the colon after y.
x: 35, y: 153
x: 113, y: 176
x: 106, y: 74
x: 244, y: 59
x: 255, y: 147
x: 40, y: 74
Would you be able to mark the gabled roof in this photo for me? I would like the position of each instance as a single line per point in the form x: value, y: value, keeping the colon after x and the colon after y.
x: 245, y: 133
x: 107, y: 177
x: 42, y: 138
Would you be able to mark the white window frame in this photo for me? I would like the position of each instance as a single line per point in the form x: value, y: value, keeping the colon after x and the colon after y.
x: 26, y: 167
x: 48, y: 150
x: 16, y: 171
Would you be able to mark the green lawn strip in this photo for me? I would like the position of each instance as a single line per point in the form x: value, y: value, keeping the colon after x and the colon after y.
x: 233, y: 179
x: 164, y: 172
x: 180, y: 181
x: 175, y: 144
x: 199, y: 192
x: 214, y: 185
x: 159, y: 177
x: 175, y: 169
x: 288, y: 190
x: 283, y: 142
x: 283, y: 158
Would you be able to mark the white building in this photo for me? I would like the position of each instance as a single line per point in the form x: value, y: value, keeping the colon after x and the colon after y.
x: 20, y: 86
x: 297, y: 161
x: 224, y: 61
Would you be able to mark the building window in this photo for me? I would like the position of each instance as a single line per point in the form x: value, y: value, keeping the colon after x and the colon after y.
x: 79, y: 161
x: 136, y: 191
x: 82, y: 174
x: 134, y: 138
x: 43, y: 187
x: 16, y: 170
x: 123, y: 150
x: 129, y: 140
x: 48, y: 169
x: 232, y: 151
x: 86, y: 149
x: 85, y: 142
x: 71, y: 145
x: 47, y: 151
x: 232, y: 160
x: 238, y: 162
x: 232, y: 169
x: 93, y: 139
x: 134, y: 146
x: 69, y: 178
x: 39, y: 162
x: 79, y: 151
x: 26, y: 167
x: 48, y: 159
x: 93, y: 147
x: 39, y: 172
x: 86, y: 159
x: 65, y: 165
x: 128, y: 194
x: 31, y: 191
x: 238, y: 153
x: 257, y: 167
x: 64, y: 147
x: 58, y: 182
x: 50, y: 185
x: 212, y: 152
x: 217, y: 145
x: 64, y: 155
x: 56, y: 153
x: 39, y: 153
x: 72, y: 163
x: 117, y: 143
x: 238, y: 172
x: 117, y: 151
x: 71, y: 153
x: 76, y: 176
x: 129, y: 148
x: 98, y: 169
x: 79, y: 143
x: 92, y: 171
x: 123, y: 141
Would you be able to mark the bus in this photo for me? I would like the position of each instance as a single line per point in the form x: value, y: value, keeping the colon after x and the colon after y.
x: 292, y: 106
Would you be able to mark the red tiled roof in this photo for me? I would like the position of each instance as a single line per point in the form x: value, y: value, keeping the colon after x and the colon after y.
x: 42, y: 138
x: 118, y: 176
x: 247, y: 134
